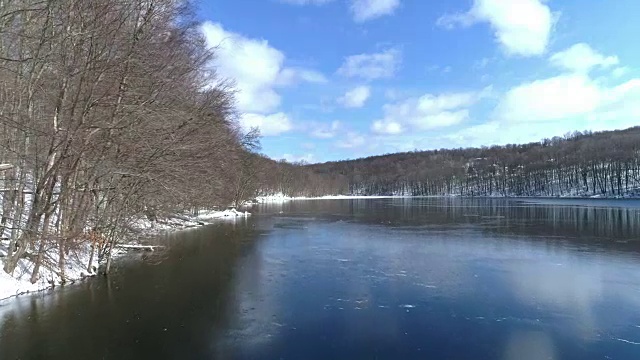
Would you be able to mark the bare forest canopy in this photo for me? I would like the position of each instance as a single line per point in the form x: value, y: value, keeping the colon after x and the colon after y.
x: 604, y: 164
x: 109, y: 112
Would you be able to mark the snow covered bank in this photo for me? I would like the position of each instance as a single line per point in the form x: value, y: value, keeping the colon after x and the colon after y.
x: 226, y: 214
x: 283, y: 198
x: 341, y: 197
x: 77, y: 263
x: 76, y: 268
x: 272, y: 199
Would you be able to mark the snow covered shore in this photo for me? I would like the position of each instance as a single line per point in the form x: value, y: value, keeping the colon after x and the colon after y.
x: 20, y: 283
x: 282, y: 198
x: 77, y: 265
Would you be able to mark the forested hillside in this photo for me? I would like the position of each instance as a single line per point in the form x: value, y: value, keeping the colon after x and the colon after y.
x: 578, y: 164
x: 109, y: 112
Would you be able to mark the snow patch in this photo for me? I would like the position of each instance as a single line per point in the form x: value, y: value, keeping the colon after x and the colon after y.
x: 226, y: 214
x: 280, y: 198
x: 77, y: 262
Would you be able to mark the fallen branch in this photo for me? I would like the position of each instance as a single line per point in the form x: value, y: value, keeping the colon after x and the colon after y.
x: 139, y: 247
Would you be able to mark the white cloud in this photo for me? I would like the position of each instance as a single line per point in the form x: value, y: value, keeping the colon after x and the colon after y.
x: 427, y: 112
x: 619, y: 71
x: 529, y: 112
x: 575, y: 96
x: 472, y: 134
x: 557, y: 105
x: 372, y: 66
x: 351, y: 140
x: 356, y: 97
x: 522, y: 27
x: 255, y: 66
x: 324, y: 131
x: 269, y: 125
x: 554, y: 98
x: 306, y: 2
x: 387, y: 126
x: 307, y: 158
x: 365, y: 10
x: 582, y: 58
x: 291, y: 76
x: 574, y: 99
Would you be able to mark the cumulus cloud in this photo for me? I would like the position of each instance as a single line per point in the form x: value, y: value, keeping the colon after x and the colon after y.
x: 326, y: 131
x: 257, y: 69
x: 582, y: 58
x: 574, y: 94
x: 372, y: 66
x: 356, y: 97
x: 365, y: 10
x: 521, y: 27
x: 269, y: 125
x: 253, y: 64
x: 572, y: 100
x: 554, y: 98
x: 292, y: 76
x: 387, y: 126
x: 427, y: 112
x: 306, y: 158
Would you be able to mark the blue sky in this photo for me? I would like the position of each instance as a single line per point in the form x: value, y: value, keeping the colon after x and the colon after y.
x: 340, y: 79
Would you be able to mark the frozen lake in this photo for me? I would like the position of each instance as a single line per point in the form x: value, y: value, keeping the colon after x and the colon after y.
x: 361, y: 279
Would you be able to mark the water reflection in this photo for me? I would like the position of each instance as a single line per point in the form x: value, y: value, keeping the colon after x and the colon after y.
x: 145, y: 309
x: 605, y: 222
x: 530, y: 345
x: 547, y: 281
x: 346, y: 279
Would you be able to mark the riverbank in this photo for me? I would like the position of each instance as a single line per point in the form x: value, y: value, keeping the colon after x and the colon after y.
x: 282, y: 198
x: 78, y: 267
x: 277, y: 198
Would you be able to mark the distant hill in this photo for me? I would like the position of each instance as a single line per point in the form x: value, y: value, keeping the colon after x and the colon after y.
x: 601, y: 164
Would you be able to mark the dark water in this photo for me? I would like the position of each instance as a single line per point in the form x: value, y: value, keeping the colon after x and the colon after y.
x: 361, y: 279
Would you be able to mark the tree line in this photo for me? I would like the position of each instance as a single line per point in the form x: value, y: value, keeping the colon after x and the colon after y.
x: 601, y: 164
x: 109, y: 111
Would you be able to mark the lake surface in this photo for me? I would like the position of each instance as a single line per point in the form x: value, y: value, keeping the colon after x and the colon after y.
x: 423, y: 278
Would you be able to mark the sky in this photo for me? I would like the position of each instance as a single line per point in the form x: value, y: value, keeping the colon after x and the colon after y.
x: 329, y: 80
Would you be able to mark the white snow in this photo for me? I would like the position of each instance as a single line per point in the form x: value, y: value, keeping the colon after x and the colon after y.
x: 11, y: 286
x: 139, y: 247
x: 226, y: 214
x: 274, y: 198
x: 283, y: 198
x: 76, y: 263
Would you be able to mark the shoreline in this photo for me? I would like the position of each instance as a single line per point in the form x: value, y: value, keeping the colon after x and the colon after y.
x: 15, y: 285
x: 282, y: 198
